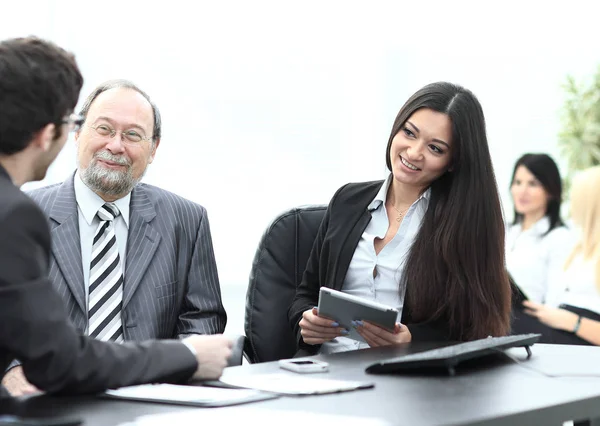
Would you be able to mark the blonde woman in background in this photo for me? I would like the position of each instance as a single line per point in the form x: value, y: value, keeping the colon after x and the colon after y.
x: 572, y: 311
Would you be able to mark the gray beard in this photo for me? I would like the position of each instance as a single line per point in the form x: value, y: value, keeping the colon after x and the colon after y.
x: 110, y: 182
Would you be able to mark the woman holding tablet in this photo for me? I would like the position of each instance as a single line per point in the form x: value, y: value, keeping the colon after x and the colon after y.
x: 537, y: 242
x: 428, y: 240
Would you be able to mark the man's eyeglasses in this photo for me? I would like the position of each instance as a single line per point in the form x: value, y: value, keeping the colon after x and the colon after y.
x: 128, y: 136
x: 74, y: 121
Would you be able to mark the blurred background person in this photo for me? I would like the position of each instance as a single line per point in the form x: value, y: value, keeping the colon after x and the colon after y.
x: 572, y: 312
x: 537, y: 241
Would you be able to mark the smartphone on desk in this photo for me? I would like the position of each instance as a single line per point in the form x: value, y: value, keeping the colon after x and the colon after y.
x: 304, y: 365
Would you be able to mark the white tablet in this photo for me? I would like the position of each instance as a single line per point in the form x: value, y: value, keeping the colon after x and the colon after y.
x: 345, y: 308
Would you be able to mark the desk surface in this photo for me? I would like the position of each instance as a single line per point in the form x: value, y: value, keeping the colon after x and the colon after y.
x: 497, y: 392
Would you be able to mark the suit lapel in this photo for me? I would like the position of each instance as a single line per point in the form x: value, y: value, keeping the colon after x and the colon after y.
x: 66, y: 244
x: 358, y: 218
x: 142, y: 241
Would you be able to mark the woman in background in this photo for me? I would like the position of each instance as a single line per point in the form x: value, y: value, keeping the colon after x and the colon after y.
x: 537, y: 242
x: 428, y: 240
x: 572, y: 312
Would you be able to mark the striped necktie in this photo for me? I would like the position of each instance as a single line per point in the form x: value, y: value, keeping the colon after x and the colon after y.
x: 106, y: 280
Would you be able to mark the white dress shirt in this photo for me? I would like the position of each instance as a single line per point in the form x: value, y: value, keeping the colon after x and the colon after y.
x: 576, y: 286
x: 532, y: 258
x: 389, y: 263
x: 88, y: 204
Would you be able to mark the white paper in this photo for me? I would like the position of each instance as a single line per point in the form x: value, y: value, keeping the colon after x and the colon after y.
x: 180, y: 393
x: 290, y: 384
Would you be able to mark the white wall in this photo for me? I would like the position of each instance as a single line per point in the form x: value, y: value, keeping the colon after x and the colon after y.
x: 268, y: 105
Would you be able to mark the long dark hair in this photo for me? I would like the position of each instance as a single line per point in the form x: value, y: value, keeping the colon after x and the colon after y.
x: 545, y: 170
x: 455, y: 270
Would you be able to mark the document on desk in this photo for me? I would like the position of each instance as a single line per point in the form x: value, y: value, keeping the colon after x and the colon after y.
x: 200, y: 396
x: 292, y: 384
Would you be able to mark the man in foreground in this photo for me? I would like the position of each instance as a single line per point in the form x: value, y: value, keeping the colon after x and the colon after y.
x: 39, y: 87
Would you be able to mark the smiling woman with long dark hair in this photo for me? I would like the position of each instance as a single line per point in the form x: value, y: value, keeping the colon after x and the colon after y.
x: 428, y: 240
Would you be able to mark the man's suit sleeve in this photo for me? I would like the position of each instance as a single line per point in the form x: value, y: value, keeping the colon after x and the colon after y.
x: 202, y: 311
x: 35, y: 327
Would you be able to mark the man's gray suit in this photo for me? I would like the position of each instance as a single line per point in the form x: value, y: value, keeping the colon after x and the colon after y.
x: 171, y: 287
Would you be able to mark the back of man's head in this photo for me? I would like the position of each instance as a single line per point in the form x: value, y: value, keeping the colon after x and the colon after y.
x: 39, y: 84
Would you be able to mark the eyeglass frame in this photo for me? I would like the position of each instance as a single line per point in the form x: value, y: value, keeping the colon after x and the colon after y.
x: 124, y: 137
x: 74, y: 121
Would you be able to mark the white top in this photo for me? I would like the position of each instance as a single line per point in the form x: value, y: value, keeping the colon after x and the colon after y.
x: 389, y: 263
x: 532, y: 257
x: 88, y: 204
x: 576, y: 286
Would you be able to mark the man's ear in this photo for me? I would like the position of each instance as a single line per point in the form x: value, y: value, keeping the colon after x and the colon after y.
x: 44, y: 137
x: 153, y: 152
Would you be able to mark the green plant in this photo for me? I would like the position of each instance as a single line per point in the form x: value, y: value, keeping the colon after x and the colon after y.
x: 579, y: 140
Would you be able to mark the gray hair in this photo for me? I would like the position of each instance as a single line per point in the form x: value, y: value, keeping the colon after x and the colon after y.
x: 114, y: 84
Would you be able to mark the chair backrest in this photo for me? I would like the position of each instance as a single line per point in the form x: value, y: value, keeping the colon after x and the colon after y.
x: 276, y: 272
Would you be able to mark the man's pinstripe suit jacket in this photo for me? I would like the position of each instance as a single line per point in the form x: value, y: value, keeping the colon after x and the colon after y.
x: 171, y: 287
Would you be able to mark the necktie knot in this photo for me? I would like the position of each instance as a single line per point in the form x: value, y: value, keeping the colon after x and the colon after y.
x: 108, y: 212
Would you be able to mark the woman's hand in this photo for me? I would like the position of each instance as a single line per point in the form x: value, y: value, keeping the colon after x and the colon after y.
x: 560, y: 319
x: 377, y: 336
x: 316, y: 330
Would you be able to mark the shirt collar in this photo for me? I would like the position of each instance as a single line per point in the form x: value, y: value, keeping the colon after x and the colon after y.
x: 89, y: 202
x: 541, y: 226
x: 4, y: 172
x: 381, y: 196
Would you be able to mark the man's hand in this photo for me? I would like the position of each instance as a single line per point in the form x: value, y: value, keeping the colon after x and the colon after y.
x: 377, y: 336
x: 316, y: 330
x: 16, y: 384
x: 212, y: 353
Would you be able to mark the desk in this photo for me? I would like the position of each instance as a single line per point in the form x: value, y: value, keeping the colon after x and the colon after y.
x: 497, y: 393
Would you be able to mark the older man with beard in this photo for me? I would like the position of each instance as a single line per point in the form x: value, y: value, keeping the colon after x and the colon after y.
x: 130, y: 260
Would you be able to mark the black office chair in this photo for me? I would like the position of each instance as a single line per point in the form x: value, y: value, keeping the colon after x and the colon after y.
x: 276, y: 272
